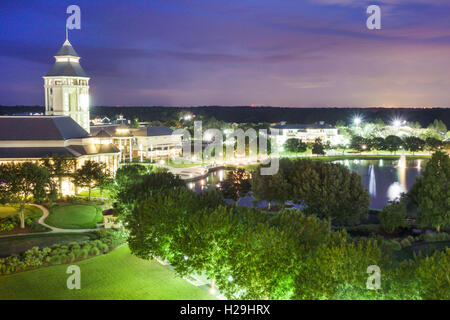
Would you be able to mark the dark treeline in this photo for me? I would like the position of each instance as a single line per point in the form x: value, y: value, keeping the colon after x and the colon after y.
x: 261, y: 114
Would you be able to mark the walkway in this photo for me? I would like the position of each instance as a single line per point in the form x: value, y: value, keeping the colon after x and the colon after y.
x: 41, y: 221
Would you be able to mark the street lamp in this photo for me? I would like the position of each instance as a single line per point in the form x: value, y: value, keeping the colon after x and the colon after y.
x: 357, y: 121
x: 396, y: 123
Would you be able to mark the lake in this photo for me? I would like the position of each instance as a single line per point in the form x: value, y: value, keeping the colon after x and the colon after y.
x: 385, y: 179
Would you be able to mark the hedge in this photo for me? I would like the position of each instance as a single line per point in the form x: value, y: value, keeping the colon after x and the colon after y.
x: 59, y: 254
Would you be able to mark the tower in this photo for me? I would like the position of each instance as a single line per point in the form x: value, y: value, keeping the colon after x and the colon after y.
x: 67, y: 87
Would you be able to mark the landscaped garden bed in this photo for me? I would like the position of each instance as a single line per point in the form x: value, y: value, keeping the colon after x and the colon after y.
x: 99, y: 242
x: 10, y: 221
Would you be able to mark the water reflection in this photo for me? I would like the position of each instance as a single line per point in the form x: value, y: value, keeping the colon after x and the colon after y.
x: 395, y: 190
x: 372, y: 181
x: 384, y: 179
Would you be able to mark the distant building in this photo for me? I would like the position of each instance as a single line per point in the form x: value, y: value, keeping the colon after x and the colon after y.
x: 308, y: 133
x: 158, y: 142
x: 151, y: 143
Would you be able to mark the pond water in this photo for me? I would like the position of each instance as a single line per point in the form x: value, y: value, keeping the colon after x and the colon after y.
x: 385, y: 179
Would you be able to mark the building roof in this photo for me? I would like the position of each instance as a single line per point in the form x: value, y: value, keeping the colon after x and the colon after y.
x: 67, y: 50
x: 71, y: 151
x: 303, y: 126
x: 67, y: 68
x: 158, y: 131
x: 40, y: 128
x: 103, y: 134
x: 108, y: 128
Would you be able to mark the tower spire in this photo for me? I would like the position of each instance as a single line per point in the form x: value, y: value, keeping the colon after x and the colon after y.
x: 67, y: 34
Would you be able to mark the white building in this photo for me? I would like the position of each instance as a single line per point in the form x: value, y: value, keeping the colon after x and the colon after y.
x: 64, y: 130
x: 308, y: 133
x: 67, y: 87
x: 152, y: 143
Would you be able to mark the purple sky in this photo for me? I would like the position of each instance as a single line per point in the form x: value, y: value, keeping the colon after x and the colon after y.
x: 215, y: 52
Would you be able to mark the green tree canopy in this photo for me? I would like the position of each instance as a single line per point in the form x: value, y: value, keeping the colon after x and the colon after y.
x: 23, y: 183
x: 59, y: 167
x: 432, y: 192
x: 90, y: 175
x: 413, y: 144
x: 393, y: 143
x: 295, y: 145
x: 393, y: 216
x: 236, y: 184
x: 318, y: 147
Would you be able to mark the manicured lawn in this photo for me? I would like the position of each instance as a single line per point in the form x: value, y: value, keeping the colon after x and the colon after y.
x: 74, y: 216
x: 185, y: 164
x: 17, y: 244
x: 9, y: 210
x: 117, y: 275
x: 95, y: 193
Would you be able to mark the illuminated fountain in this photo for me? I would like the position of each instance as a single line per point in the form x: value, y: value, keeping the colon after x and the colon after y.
x: 372, y: 181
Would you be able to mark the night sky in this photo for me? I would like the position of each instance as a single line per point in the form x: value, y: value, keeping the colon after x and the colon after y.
x: 208, y: 52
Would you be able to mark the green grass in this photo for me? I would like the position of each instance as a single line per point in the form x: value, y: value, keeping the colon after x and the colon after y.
x: 9, y: 210
x: 95, y: 193
x: 18, y: 244
x: 185, y: 164
x: 117, y: 275
x: 74, y: 216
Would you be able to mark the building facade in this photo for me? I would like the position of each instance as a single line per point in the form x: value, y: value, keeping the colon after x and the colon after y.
x: 67, y: 87
x: 139, y: 144
x: 308, y: 133
x: 31, y: 138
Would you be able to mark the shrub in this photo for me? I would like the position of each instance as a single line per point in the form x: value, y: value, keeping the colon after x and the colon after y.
x: 68, y: 257
x: 392, y: 245
x: 78, y: 253
x: 6, y: 226
x: 367, y: 228
x: 57, y: 254
x: 55, y: 260
x: 405, y: 243
x: 74, y: 246
x: 94, y: 251
x: 430, y: 237
x: 393, y: 216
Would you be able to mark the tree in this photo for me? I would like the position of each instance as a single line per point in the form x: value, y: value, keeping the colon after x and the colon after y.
x: 318, y: 147
x: 340, y: 123
x: 438, y: 126
x: 432, y: 192
x: 90, y: 175
x: 145, y: 188
x: 59, y: 167
x: 359, y: 143
x: 413, y: 144
x: 433, y: 144
x: 393, y: 143
x: 129, y: 174
x: 269, y: 187
x: 295, y: 145
x: 328, y: 190
x: 22, y: 183
x: 393, y: 216
x: 379, y: 123
x: 377, y: 143
x: 236, y: 184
